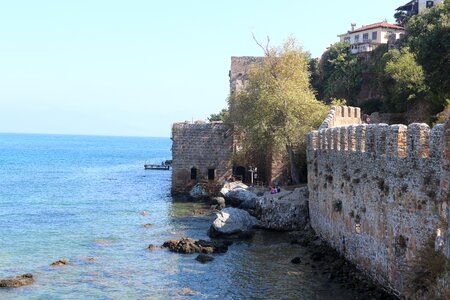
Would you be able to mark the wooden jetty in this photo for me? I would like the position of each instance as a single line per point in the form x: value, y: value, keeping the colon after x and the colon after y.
x: 156, y: 167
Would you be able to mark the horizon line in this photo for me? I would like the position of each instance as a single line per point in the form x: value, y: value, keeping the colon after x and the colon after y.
x: 81, y: 134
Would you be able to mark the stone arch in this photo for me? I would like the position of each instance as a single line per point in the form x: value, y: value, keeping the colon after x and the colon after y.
x: 240, y: 173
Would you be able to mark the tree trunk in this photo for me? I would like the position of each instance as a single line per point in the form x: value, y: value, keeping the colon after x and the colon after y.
x: 292, y: 165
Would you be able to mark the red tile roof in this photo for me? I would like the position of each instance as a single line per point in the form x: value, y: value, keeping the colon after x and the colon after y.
x: 376, y: 25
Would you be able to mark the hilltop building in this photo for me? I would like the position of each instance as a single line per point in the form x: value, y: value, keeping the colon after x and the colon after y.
x: 415, y: 7
x: 367, y: 38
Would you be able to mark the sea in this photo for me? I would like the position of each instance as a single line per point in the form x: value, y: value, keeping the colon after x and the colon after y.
x: 86, y: 199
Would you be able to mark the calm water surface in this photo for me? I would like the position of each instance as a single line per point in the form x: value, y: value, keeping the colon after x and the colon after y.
x: 80, y: 198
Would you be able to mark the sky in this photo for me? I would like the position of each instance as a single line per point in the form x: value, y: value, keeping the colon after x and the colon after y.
x: 134, y: 67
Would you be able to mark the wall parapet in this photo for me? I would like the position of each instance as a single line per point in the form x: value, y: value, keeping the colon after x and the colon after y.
x: 416, y: 140
x: 378, y: 193
x: 341, y: 115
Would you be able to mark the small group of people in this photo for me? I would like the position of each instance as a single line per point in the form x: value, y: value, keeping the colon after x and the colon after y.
x: 275, y: 189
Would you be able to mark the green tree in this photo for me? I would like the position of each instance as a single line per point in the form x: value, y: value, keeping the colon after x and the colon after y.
x: 316, y: 81
x: 428, y: 36
x: 401, y: 17
x: 221, y: 116
x: 278, y: 107
x: 340, y: 73
x: 404, y: 79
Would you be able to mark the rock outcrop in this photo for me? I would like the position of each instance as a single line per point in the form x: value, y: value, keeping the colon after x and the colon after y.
x: 287, y: 210
x: 18, y: 281
x: 60, y: 263
x: 232, y: 222
x: 188, y: 245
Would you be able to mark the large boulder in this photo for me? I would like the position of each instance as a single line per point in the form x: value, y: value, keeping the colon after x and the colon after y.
x: 240, y: 196
x: 232, y: 222
x: 228, y: 186
x: 287, y: 210
x: 18, y: 281
x: 249, y: 204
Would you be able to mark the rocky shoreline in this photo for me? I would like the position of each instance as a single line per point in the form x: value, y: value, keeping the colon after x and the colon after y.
x: 336, y: 267
x: 287, y: 211
x: 17, y: 281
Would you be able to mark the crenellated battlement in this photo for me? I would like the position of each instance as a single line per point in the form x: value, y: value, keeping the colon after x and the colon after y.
x: 378, y: 193
x: 416, y: 140
x: 342, y: 115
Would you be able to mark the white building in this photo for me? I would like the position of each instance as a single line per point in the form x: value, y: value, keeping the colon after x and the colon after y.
x: 368, y: 37
x: 417, y: 6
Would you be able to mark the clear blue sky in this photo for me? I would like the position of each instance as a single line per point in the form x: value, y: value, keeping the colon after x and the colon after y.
x: 134, y: 67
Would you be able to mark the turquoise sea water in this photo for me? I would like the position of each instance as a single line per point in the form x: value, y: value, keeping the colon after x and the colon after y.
x: 81, y: 197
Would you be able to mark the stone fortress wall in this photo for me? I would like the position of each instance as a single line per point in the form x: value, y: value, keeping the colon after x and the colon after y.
x: 240, y: 67
x: 205, y: 147
x: 376, y: 192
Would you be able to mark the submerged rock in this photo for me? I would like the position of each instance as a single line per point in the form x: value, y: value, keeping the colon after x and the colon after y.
x: 60, y: 263
x: 188, y: 292
x: 152, y: 247
x: 18, y: 281
x: 198, y: 192
x: 232, y: 222
x: 88, y: 259
x: 188, y: 245
x: 203, y: 258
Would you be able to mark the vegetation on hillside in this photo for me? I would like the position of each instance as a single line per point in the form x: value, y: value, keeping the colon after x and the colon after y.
x: 403, y: 80
x: 340, y: 73
x: 429, y: 39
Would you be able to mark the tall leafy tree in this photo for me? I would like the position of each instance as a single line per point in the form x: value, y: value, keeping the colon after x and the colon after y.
x: 341, y: 72
x: 428, y: 36
x: 278, y: 107
x: 404, y: 79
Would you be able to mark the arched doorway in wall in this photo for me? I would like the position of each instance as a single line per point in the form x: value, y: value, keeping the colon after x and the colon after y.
x: 239, y: 173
